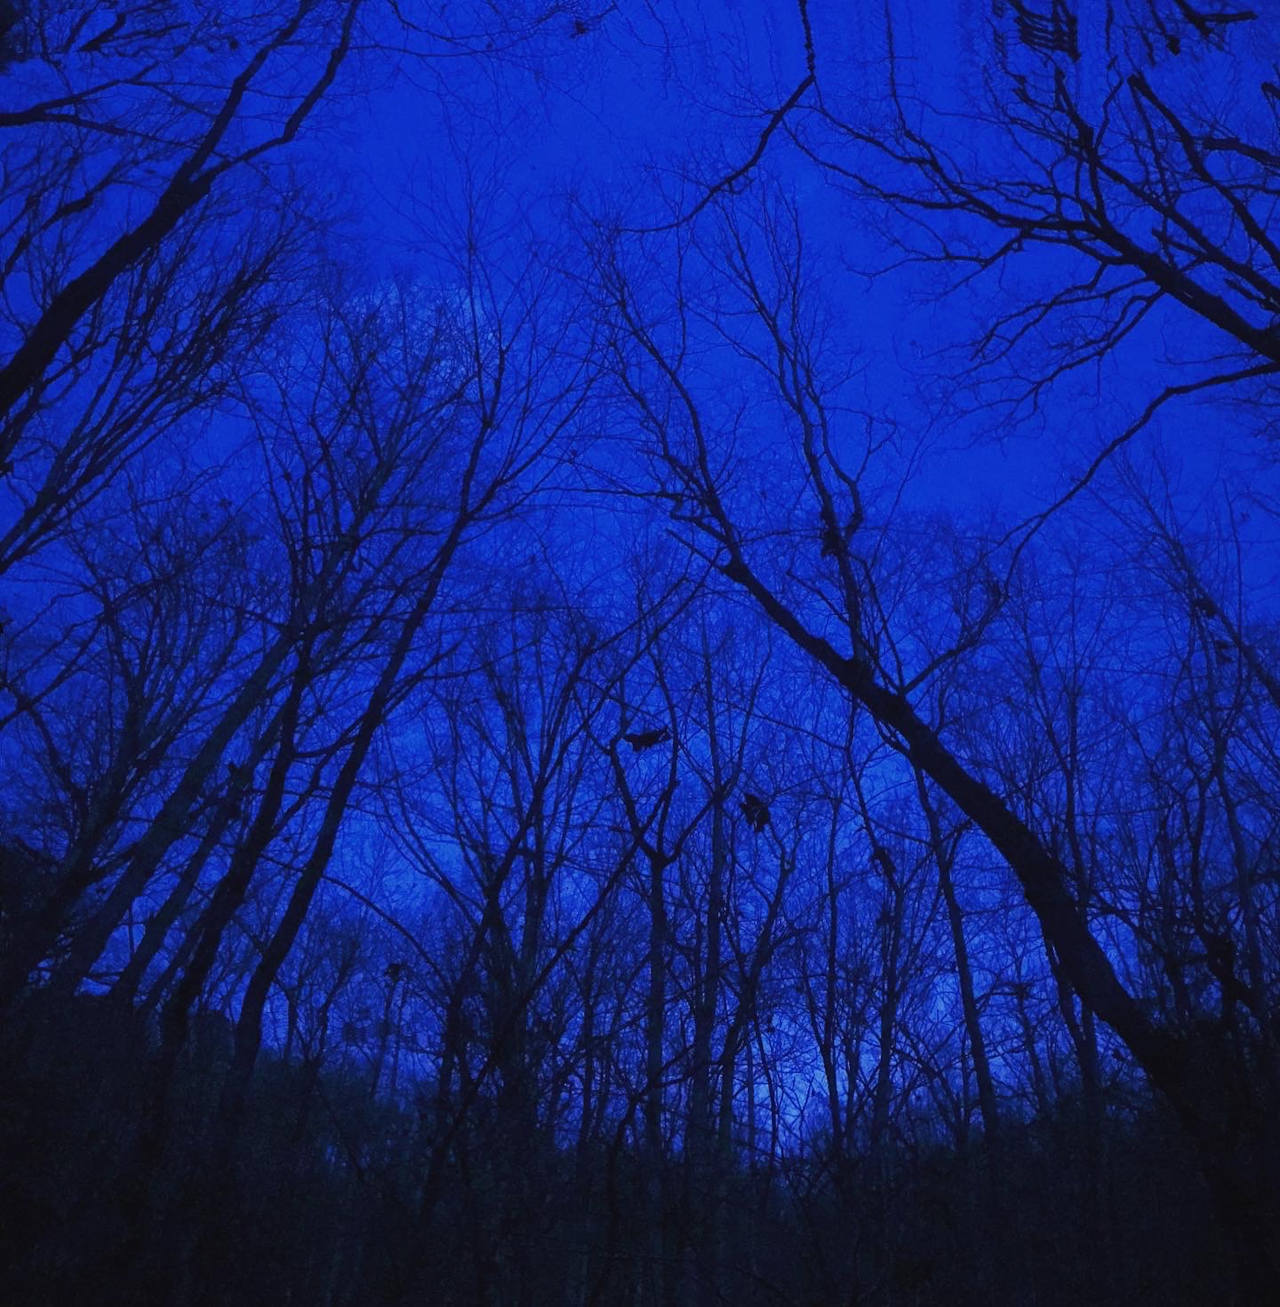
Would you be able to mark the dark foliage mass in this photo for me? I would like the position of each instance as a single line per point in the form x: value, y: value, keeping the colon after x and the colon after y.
x: 325, y: 1203
x: 639, y: 658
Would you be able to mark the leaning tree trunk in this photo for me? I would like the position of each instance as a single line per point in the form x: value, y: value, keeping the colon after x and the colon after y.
x: 1183, y: 1068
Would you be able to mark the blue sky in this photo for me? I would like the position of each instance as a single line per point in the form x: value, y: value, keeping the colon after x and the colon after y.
x: 639, y: 112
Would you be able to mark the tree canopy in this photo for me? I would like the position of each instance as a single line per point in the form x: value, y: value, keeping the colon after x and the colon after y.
x: 638, y: 653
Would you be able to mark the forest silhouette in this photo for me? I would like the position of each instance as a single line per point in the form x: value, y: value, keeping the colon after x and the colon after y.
x: 638, y: 654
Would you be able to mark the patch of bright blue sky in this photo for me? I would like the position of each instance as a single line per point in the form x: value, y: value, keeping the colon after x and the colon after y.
x: 632, y: 116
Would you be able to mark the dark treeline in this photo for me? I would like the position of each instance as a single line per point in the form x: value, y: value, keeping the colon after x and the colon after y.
x: 567, y: 769
x: 328, y: 1202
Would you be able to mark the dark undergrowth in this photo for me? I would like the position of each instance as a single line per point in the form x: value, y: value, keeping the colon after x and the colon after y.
x: 333, y: 1198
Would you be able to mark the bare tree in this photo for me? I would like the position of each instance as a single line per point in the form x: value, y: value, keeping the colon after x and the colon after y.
x: 839, y: 623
